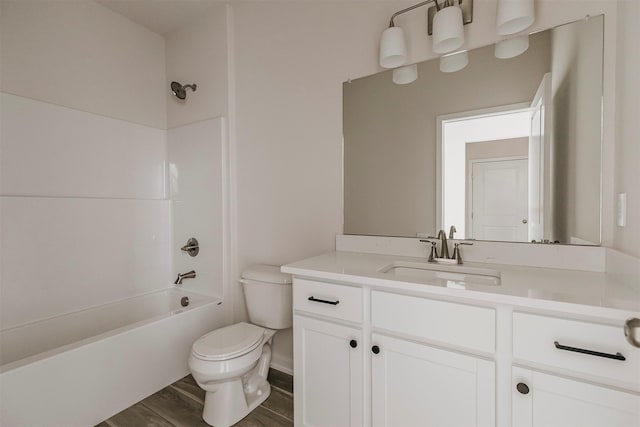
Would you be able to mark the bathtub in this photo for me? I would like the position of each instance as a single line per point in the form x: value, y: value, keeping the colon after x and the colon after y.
x: 79, y: 369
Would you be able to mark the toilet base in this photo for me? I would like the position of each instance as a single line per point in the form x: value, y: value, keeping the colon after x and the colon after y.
x: 229, y: 403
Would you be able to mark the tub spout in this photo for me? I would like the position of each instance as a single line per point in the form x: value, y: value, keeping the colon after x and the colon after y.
x: 181, y: 276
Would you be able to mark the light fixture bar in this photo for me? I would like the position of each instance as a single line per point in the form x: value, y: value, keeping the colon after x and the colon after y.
x: 415, y: 6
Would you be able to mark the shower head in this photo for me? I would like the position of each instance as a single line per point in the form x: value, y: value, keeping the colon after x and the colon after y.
x: 179, y: 90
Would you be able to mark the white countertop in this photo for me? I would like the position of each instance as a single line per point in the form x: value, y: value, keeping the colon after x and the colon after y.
x: 571, y: 291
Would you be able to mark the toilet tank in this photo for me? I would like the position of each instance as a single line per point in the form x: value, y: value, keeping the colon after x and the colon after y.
x: 267, y: 292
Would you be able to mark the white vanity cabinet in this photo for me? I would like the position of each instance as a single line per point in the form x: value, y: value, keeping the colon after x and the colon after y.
x: 328, y: 354
x: 413, y: 380
x: 544, y: 400
x: 427, y: 355
x: 418, y: 385
x: 575, y: 348
x: 328, y: 373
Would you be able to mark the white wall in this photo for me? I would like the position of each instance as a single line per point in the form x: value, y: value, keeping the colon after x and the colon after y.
x: 627, y: 239
x: 84, y: 215
x: 82, y: 55
x: 291, y: 59
x: 197, y: 54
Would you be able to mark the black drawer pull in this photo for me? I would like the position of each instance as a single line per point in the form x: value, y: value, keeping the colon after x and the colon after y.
x: 353, y: 343
x: 617, y: 356
x: 324, y: 301
x: 375, y: 349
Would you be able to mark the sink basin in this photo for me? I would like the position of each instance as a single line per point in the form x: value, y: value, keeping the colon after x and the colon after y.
x: 453, y: 276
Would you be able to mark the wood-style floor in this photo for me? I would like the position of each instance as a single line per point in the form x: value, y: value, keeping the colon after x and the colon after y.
x: 181, y: 403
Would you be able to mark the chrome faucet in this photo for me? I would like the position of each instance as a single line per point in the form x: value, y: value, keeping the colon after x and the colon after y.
x: 181, y: 276
x: 444, y: 246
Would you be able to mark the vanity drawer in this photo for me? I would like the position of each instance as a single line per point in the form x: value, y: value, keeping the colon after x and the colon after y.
x: 338, y: 301
x: 560, y: 342
x: 450, y: 323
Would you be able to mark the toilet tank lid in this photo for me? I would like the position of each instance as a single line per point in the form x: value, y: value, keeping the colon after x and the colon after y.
x: 266, y: 273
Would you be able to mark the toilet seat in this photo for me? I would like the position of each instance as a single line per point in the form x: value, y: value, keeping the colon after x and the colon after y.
x: 228, y: 342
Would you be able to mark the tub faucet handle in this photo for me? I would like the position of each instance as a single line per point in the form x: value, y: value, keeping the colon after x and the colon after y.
x: 192, y: 247
x: 181, y: 276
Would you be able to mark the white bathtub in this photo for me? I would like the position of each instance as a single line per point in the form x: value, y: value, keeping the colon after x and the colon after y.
x: 80, y: 368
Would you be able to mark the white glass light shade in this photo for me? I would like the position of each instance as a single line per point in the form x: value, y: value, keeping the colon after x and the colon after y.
x: 514, y: 16
x: 393, y: 48
x: 406, y: 74
x: 513, y: 47
x: 454, y: 62
x: 448, y: 34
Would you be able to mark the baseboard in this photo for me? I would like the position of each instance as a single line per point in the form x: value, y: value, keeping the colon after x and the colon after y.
x: 282, y: 365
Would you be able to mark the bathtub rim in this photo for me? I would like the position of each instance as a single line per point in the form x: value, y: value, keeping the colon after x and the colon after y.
x: 207, y: 301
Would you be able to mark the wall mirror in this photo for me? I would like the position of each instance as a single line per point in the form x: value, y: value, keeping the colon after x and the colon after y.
x: 503, y: 149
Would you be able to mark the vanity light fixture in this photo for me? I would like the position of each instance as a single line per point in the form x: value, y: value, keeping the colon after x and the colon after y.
x: 393, y: 47
x: 448, y: 34
x: 454, y: 62
x: 510, y: 48
x: 445, y: 21
x: 406, y: 74
x: 514, y: 16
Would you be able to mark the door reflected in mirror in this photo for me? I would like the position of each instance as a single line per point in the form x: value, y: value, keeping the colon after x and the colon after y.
x: 505, y: 149
x: 485, y: 174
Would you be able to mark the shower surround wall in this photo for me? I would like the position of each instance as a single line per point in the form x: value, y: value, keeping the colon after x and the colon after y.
x: 96, y: 195
x: 84, y: 212
x: 198, y: 153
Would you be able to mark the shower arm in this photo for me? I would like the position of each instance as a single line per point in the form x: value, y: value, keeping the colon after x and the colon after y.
x: 191, y: 86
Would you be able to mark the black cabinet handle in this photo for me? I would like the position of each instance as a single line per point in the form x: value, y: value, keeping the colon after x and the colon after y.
x: 375, y: 349
x: 324, y: 301
x: 617, y: 356
x: 522, y: 388
x: 353, y: 343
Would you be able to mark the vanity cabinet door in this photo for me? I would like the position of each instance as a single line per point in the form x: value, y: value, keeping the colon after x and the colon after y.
x: 417, y: 385
x: 328, y: 377
x: 542, y: 400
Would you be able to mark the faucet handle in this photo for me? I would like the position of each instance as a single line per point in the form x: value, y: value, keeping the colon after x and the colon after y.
x: 452, y: 230
x: 456, y: 251
x: 192, y: 247
x: 434, y: 249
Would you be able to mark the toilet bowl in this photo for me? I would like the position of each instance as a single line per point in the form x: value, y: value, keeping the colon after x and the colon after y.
x: 231, y: 363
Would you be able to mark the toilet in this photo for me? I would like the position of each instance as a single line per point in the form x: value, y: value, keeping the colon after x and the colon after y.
x: 231, y: 363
